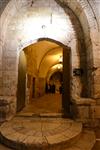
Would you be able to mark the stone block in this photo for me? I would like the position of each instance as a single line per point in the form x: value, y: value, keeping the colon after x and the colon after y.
x: 9, y: 74
x: 84, y: 109
x: 10, y: 54
x: 96, y: 79
x: 11, y: 100
x: 1, y: 92
x: 9, y: 64
x: 9, y: 80
x: 97, y: 61
x: 0, y: 82
x: 9, y: 91
x: 0, y: 63
x: 84, y: 23
x: 0, y: 74
x: 97, y: 111
x: 83, y: 112
x: 42, y: 3
x: 97, y: 90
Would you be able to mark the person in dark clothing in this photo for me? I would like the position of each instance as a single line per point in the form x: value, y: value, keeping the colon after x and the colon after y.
x: 53, y: 88
x: 60, y: 89
x: 48, y: 88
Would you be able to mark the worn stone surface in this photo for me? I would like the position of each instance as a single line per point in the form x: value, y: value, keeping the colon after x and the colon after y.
x: 84, y: 44
x: 46, y: 133
x: 41, y: 131
x: 37, y: 131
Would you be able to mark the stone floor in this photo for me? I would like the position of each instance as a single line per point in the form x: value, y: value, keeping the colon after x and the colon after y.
x: 41, y: 122
x: 29, y: 133
x: 49, y: 103
x: 97, y: 144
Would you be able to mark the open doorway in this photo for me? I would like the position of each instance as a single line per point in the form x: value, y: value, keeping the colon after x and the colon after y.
x: 57, y: 79
x: 42, y: 63
x: 21, y: 87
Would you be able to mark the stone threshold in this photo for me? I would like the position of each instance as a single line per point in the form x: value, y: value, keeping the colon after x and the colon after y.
x: 41, y: 115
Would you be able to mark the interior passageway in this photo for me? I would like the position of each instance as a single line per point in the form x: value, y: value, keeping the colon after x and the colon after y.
x: 49, y: 103
x: 44, y: 67
x: 41, y: 40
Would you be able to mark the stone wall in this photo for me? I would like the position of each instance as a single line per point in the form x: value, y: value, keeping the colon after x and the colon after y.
x: 3, y: 4
x: 31, y: 61
x: 14, y: 38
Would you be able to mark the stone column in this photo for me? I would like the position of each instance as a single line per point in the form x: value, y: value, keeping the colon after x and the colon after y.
x: 1, y: 83
x: 66, y: 82
x: 9, y: 78
x: 96, y: 63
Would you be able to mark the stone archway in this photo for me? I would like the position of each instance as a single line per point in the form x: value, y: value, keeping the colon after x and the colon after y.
x: 21, y: 86
x: 22, y: 72
x: 10, y: 47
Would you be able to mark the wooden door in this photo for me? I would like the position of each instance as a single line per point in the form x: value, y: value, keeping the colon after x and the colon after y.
x: 66, y: 82
x: 21, y: 88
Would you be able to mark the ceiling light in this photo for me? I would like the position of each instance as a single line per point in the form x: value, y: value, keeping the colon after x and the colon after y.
x: 60, y: 59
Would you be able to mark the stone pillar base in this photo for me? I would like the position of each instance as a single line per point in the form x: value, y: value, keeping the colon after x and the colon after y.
x: 83, y: 110
x: 7, y: 108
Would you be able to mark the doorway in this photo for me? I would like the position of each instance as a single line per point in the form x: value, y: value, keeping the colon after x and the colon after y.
x: 21, y: 86
x: 57, y: 79
x: 48, y: 52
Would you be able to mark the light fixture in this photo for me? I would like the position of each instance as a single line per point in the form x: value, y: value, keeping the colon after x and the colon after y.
x: 60, y: 59
x: 43, y: 26
x: 59, y: 66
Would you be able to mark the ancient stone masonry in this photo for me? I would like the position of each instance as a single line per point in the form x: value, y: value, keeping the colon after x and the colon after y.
x: 73, y: 23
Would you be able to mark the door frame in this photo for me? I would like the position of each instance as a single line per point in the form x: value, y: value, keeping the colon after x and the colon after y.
x: 65, y: 102
x: 66, y: 93
x: 21, y: 86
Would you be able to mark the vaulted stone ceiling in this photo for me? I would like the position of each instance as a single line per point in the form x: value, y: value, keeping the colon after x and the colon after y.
x: 42, y: 56
x: 74, y: 23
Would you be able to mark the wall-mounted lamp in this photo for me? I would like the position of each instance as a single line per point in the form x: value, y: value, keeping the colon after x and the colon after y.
x: 77, y: 72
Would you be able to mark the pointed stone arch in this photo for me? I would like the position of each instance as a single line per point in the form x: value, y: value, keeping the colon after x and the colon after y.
x: 90, y: 29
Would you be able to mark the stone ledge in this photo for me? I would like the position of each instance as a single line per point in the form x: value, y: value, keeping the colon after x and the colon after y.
x: 84, y: 101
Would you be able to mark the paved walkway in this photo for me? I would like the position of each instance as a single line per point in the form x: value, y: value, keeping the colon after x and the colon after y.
x: 49, y: 103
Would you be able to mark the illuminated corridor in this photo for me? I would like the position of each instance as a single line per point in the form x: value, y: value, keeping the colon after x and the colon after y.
x: 49, y: 103
x: 50, y: 74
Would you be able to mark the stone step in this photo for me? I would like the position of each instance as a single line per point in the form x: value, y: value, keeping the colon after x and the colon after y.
x: 3, y: 147
x: 43, y: 115
x: 40, y: 133
x: 85, y: 142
